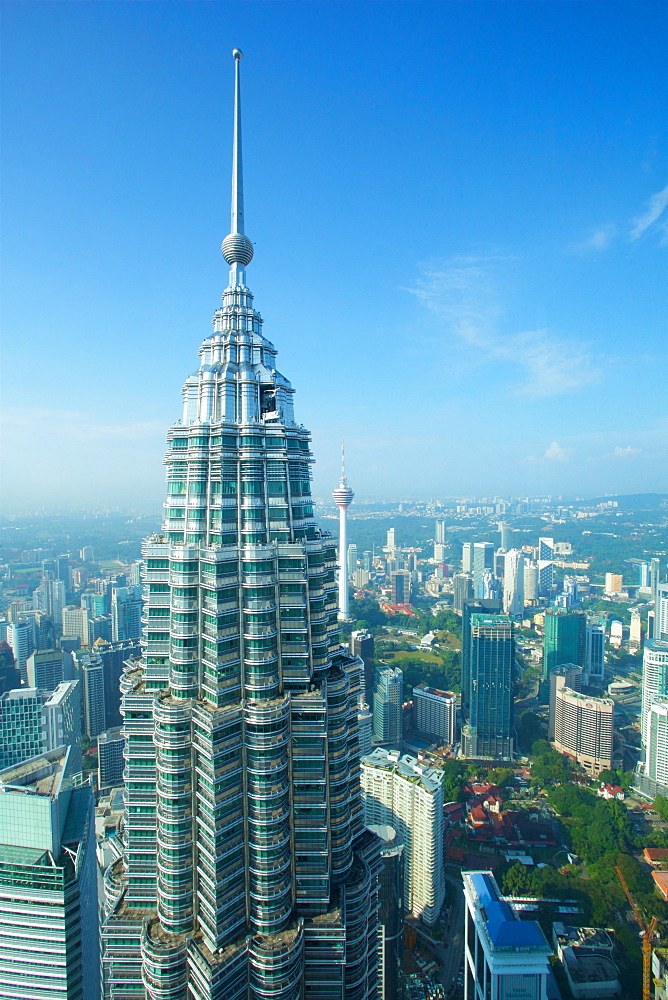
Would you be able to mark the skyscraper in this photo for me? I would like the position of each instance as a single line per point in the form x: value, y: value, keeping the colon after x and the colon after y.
x: 654, y: 678
x: 462, y: 588
x: 513, y: 583
x: 343, y: 497
x: 247, y: 871
x: 545, y: 565
x: 471, y: 607
x: 564, y: 639
x: 387, y: 705
x: 483, y: 558
x: 656, y: 738
x: 48, y: 871
x: 45, y: 669
x: 21, y: 638
x: 595, y: 652
x: 489, y: 726
x: 439, y: 541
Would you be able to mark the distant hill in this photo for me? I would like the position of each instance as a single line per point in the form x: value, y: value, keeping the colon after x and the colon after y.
x: 635, y: 501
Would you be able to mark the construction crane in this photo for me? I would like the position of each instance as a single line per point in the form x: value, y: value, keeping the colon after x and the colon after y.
x: 647, y: 935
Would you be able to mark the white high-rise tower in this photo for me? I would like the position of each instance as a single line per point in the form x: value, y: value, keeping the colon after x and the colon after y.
x: 343, y: 497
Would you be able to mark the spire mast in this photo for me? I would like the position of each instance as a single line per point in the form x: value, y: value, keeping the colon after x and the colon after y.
x: 237, y: 248
x: 237, y: 214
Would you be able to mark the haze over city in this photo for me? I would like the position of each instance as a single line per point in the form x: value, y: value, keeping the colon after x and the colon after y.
x: 459, y: 218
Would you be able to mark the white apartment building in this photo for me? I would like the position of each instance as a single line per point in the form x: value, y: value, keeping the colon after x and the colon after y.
x: 397, y: 791
x: 584, y: 728
x: 435, y: 713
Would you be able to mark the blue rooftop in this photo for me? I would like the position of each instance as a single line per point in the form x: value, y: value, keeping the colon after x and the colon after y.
x: 504, y: 928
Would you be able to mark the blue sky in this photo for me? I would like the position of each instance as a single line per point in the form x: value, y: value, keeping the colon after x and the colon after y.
x: 460, y: 218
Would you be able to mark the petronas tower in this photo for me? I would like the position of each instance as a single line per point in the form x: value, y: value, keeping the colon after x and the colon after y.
x: 246, y: 871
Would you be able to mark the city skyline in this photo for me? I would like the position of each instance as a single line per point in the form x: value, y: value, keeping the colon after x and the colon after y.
x: 518, y: 290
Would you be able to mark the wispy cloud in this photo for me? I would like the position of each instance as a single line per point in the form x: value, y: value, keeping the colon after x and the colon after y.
x: 655, y: 208
x: 555, y: 453
x: 463, y: 293
x: 619, y: 452
x: 599, y: 240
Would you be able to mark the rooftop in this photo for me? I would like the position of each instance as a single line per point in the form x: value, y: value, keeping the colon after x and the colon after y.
x: 505, y: 930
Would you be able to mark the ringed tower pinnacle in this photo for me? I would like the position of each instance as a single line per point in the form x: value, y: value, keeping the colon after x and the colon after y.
x: 343, y: 497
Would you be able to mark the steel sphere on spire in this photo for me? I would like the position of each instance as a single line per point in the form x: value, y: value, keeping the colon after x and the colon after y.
x: 237, y: 248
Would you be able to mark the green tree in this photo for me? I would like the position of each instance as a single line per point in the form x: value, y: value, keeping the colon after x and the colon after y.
x: 661, y: 806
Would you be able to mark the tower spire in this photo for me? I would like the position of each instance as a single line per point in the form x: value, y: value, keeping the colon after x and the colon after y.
x: 237, y: 248
x: 343, y: 463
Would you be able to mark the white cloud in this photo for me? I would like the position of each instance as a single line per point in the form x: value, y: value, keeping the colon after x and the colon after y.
x: 656, y: 206
x: 599, y: 240
x: 628, y: 452
x: 463, y: 294
x: 555, y: 453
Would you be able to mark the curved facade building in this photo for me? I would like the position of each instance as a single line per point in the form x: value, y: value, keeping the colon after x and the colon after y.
x: 654, y: 677
x: 584, y: 729
x: 246, y: 869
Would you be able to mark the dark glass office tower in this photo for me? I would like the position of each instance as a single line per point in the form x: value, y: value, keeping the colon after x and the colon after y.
x: 491, y: 654
x: 246, y: 870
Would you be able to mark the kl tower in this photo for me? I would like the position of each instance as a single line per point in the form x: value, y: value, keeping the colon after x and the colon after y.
x: 343, y: 497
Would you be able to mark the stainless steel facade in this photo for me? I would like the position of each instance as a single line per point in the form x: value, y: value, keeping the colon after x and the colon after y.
x: 246, y: 871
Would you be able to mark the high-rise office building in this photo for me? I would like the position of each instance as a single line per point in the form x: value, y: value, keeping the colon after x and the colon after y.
x: 400, y: 581
x: 583, y: 728
x: 21, y: 734
x: 75, y: 623
x: 530, y: 581
x: 113, y: 655
x: 387, y: 705
x: 343, y: 497
x: 483, y: 558
x: 61, y: 721
x: 654, y: 678
x: 362, y: 645
x: 594, y: 652
x: 21, y: 638
x: 488, y: 587
x: 49, y: 929
x: 435, y: 713
x: 90, y: 672
x: 507, y: 536
x: 564, y: 639
x: 656, y: 743
x: 462, y: 590
x: 467, y: 557
x: 635, y: 631
x: 545, y: 566
x: 408, y: 796
x: 50, y: 597
x: 661, y: 612
x: 504, y: 956
x: 352, y: 558
x: 247, y: 871
x: 513, y: 583
x: 10, y: 677
x: 471, y: 607
x: 643, y: 575
x: 45, y: 669
x: 126, y: 613
x: 439, y: 541
x: 568, y: 675
x: 489, y: 722
x: 654, y: 576
x: 391, y: 912
x: 110, y: 761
